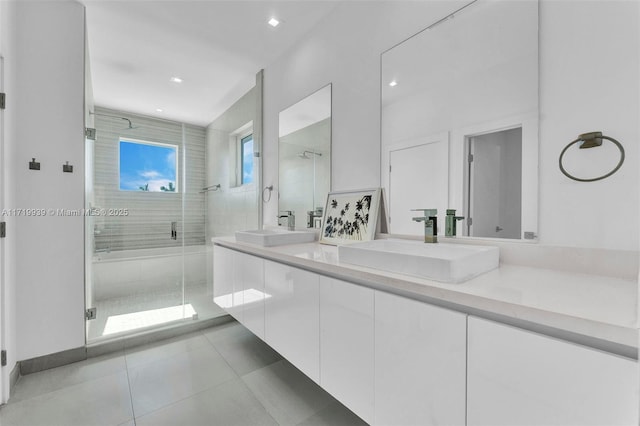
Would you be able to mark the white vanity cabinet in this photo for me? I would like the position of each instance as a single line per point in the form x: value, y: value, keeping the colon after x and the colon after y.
x: 398, y: 361
x: 227, y: 288
x: 346, y: 344
x: 518, y: 377
x: 420, y: 363
x: 250, y: 271
x: 239, y: 287
x: 291, y: 313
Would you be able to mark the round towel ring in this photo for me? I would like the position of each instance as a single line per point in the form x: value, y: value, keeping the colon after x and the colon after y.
x: 591, y: 140
x: 264, y: 198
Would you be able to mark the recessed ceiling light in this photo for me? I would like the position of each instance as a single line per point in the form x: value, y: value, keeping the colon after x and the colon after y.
x: 393, y: 83
x: 273, y: 22
x: 176, y: 79
x: 159, y: 110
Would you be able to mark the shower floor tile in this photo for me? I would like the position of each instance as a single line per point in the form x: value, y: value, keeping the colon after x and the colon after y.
x: 151, y: 306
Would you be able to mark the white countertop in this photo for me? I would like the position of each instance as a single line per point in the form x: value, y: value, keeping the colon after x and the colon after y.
x: 597, y: 307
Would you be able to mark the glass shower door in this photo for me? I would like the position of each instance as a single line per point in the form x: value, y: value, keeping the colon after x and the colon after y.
x: 198, y: 287
x: 135, y: 227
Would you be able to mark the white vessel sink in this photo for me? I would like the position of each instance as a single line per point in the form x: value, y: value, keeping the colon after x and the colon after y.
x: 274, y: 237
x: 451, y: 263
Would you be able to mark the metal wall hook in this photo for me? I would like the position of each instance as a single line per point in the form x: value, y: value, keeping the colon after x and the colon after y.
x: 34, y: 165
x: 591, y: 140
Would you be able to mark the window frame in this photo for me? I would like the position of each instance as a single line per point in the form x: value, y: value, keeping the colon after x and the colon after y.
x: 241, y: 144
x: 149, y: 143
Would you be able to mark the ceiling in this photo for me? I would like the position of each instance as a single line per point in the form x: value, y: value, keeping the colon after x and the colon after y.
x: 215, y: 47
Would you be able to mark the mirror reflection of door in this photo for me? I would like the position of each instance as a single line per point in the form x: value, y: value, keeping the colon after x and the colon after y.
x: 495, y: 182
x: 418, y: 179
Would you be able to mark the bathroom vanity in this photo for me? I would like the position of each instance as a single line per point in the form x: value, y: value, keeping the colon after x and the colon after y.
x: 515, y: 345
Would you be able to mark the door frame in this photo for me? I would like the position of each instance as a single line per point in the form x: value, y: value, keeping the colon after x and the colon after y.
x: 530, y: 164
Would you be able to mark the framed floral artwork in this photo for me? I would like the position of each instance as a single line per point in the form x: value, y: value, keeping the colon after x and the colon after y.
x: 350, y: 216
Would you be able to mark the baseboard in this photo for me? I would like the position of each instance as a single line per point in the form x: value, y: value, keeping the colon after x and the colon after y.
x: 14, y: 376
x: 53, y: 360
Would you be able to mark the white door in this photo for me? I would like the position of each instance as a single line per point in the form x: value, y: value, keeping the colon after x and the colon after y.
x: 418, y: 179
x: 495, y: 182
x: 484, y: 198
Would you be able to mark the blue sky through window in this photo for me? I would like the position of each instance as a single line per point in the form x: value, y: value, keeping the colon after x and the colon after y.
x: 147, y: 167
x: 247, y: 159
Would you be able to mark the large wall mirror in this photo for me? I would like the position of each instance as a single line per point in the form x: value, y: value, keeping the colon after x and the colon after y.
x: 305, y: 158
x: 460, y: 122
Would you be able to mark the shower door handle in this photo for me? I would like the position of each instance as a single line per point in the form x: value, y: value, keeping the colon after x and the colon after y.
x: 174, y: 230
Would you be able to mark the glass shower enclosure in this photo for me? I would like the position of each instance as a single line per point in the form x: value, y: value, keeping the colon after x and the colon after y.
x: 146, y: 255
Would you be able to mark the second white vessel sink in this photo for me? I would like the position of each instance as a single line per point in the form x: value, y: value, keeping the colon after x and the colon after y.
x: 451, y: 263
x: 274, y: 237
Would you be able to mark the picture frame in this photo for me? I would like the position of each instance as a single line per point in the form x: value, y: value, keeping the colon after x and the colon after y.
x: 350, y: 216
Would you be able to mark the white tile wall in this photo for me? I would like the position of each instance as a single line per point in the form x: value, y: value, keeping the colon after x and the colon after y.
x: 230, y: 208
x: 148, y: 224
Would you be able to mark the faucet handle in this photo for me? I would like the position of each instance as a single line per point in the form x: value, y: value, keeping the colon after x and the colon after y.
x: 452, y: 212
x: 427, y: 212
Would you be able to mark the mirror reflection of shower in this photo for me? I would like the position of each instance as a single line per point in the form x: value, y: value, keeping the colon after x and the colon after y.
x: 304, y: 131
x: 304, y: 156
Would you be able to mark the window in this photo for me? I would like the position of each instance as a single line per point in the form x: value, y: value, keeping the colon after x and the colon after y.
x: 241, y: 154
x: 246, y: 159
x: 148, y: 166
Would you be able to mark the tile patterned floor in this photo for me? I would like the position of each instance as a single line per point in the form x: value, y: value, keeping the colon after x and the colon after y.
x: 223, y: 375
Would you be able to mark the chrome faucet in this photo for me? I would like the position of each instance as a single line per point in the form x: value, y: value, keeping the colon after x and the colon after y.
x: 313, y: 216
x: 291, y: 219
x: 430, y: 224
x: 450, y: 223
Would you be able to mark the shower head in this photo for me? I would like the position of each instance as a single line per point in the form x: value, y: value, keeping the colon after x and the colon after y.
x: 130, y: 125
x: 304, y: 155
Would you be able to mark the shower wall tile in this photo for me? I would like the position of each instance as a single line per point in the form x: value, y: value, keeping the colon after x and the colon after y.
x: 148, y: 224
x: 140, y: 275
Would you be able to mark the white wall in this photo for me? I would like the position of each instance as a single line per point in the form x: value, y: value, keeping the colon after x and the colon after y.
x: 344, y: 49
x: 588, y: 81
x: 229, y: 209
x: 8, y: 321
x: 49, y: 120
